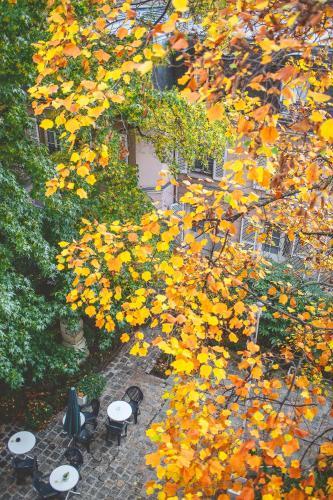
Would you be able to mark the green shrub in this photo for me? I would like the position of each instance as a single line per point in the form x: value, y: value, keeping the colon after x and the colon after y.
x: 274, y: 331
x: 38, y: 413
x: 92, y: 385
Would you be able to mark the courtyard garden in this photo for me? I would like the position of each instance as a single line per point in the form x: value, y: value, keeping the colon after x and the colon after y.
x: 166, y: 264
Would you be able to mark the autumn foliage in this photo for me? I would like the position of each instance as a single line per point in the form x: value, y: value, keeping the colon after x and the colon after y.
x: 239, y: 418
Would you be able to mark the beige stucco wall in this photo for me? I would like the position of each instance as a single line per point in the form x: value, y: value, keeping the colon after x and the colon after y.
x: 149, y: 173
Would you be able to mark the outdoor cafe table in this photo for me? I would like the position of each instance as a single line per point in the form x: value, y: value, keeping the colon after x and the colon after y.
x: 119, y: 411
x: 21, y: 442
x: 82, y: 419
x: 60, y: 484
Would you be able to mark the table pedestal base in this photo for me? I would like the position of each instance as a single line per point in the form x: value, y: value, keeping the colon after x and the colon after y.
x: 73, y: 492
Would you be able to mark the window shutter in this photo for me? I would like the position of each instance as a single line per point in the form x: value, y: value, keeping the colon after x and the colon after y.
x: 177, y: 208
x: 124, y: 147
x: 247, y: 235
x: 180, y: 163
x: 218, y: 171
x: 34, y: 130
x: 262, y: 162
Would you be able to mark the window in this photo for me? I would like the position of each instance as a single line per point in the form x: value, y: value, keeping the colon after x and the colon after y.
x: 218, y: 171
x: 51, y: 141
x: 179, y: 160
x: 248, y: 236
x: 300, y: 93
x: 202, y: 168
x: 272, y: 244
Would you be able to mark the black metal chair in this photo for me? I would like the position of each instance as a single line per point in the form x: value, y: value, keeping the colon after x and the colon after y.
x: 74, y: 457
x: 115, y: 430
x: 85, y: 438
x: 91, y: 416
x: 134, y: 395
x: 24, y: 467
x: 43, y: 488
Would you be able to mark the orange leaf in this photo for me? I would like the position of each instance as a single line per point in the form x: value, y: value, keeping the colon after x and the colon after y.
x: 70, y: 49
x: 215, y: 112
x: 283, y: 299
x: 122, y: 33
x: 101, y: 55
x: 260, y: 113
x: 269, y: 134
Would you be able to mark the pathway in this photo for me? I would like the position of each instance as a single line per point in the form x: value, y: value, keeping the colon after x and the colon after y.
x: 108, y: 472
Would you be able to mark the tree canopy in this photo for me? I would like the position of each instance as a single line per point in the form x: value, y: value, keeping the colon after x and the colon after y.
x: 240, y: 417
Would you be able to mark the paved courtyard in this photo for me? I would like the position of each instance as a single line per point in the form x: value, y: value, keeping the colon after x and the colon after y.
x: 108, y: 472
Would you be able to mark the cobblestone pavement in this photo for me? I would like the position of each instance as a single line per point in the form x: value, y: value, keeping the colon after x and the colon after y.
x: 108, y: 472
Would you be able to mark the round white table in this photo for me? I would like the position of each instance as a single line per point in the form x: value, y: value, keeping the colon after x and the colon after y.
x: 21, y: 442
x: 119, y: 411
x: 82, y: 419
x: 59, y: 483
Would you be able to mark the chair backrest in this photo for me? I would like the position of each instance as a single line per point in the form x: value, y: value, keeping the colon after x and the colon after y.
x: 20, y: 463
x: 85, y: 435
x: 95, y: 405
x: 134, y: 393
x: 114, y: 427
x: 35, y: 466
x: 74, y: 456
x: 38, y: 485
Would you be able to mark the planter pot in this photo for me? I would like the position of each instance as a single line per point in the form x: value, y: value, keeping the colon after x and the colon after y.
x: 74, y: 339
x: 82, y: 400
x: 71, y: 337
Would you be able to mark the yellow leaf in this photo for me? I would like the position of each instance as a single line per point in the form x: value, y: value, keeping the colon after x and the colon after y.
x: 326, y: 129
x: 162, y: 246
x: 83, y: 171
x: 219, y: 373
x: 72, y: 125
x: 233, y: 338
x: 75, y: 157
x: 257, y: 416
x: 316, y: 116
x: 158, y: 50
x: 180, y: 5
x: 120, y: 316
x: 262, y: 5
x: 327, y: 448
x: 203, y: 357
x: 114, y: 75
x: 125, y: 256
x: 45, y: 124
x: 146, y: 276
x: 205, y: 371
x: 91, y: 179
x: 139, y: 32
x: 81, y: 193
x: 145, y: 67
x: 256, y: 372
x: 318, y: 97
